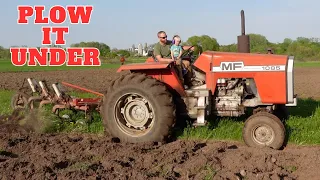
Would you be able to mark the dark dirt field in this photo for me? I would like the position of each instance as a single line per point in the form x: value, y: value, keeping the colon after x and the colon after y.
x: 97, y: 80
x: 25, y: 155
x: 75, y: 156
x: 305, y: 79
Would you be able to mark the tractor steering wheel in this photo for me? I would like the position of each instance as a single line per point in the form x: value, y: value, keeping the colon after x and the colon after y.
x: 189, y: 52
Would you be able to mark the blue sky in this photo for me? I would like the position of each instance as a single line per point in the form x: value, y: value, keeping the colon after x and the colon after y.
x: 122, y: 23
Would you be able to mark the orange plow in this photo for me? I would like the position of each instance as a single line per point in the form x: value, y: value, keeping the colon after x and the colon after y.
x: 41, y: 95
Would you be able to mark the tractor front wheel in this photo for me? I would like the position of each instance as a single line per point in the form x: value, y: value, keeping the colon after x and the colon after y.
x: 138, y: 108
x: 264, y: 130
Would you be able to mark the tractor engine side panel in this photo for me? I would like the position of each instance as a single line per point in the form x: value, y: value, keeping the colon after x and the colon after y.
x: 268, y: 71
x: 271, y: 86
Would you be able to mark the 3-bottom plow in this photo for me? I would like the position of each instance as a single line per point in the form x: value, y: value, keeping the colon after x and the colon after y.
x: 41, y: 95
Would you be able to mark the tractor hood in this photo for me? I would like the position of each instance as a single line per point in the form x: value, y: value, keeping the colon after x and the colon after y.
x: 210, y: 60
x: 261, y: 67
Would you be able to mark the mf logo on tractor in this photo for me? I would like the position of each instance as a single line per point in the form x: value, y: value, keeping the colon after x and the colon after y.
x: 231, y: 66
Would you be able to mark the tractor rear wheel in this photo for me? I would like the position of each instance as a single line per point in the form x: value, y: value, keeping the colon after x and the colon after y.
x: 138, y: 108
x: 264, y: 130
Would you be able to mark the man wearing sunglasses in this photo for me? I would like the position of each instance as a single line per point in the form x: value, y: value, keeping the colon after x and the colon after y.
x: 162, y: 53
x: 162, y: 50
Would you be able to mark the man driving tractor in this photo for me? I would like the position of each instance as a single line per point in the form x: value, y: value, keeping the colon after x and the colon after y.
x: 162, y: 52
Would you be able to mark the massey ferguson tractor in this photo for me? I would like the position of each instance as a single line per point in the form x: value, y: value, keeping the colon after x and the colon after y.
x: 145, y: 104
x: 142, y: 105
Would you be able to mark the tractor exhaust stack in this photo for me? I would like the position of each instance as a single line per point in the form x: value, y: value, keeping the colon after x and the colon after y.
x: 243, y: 39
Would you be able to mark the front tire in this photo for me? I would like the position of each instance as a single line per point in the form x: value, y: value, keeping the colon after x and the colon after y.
x: 138, y: 108
x: 264, y: 130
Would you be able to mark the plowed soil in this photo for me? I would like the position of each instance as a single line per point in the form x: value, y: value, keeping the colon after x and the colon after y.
x: 28, y: 155
x: 74, y: 156
x: 97, y: 80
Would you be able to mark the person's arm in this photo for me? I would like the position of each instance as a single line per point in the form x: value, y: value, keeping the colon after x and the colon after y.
x: 171, y: 50
x: 180, y: 52
x: 172, y: 55
x: 159, y: 58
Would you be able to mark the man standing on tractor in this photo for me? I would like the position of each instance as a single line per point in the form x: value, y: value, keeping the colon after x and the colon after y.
x: 162, y: 52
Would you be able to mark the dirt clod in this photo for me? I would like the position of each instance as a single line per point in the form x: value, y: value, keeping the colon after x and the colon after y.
x: 243, y: 172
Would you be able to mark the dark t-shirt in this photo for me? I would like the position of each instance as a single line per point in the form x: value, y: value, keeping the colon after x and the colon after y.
x: 162, y: 50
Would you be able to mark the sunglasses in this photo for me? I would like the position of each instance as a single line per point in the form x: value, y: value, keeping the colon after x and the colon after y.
x: 163, y: 37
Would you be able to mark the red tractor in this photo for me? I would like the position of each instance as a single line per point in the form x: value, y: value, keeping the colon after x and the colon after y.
x: 144, y: 105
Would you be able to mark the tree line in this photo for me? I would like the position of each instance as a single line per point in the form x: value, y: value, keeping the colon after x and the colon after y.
x: 304, y: 49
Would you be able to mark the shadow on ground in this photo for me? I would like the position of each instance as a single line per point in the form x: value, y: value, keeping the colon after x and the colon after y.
x: 305, y: 108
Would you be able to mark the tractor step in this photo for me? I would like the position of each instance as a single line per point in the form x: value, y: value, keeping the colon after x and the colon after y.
x: 196, y: 124
x: 200, y: 107
x: 197, y: 93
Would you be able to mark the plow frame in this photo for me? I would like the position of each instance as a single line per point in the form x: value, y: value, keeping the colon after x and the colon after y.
x: 55, y: 96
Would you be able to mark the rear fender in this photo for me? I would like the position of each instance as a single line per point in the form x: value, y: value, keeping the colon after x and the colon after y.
x: 164, y: 72
x: 150, y: 59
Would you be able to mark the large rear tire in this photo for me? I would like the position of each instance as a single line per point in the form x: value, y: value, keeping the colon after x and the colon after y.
x: 138, y: 108
x: 264, y: 130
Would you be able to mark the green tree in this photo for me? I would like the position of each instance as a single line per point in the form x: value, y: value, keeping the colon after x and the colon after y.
x: 206, y: 43
x: 282, y: 48
x: 229, y: 48
x: 123, y: 52
x: 4, y: 53
x: 103, y: 48
x: 258, y: 43
x: 111, y: 55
